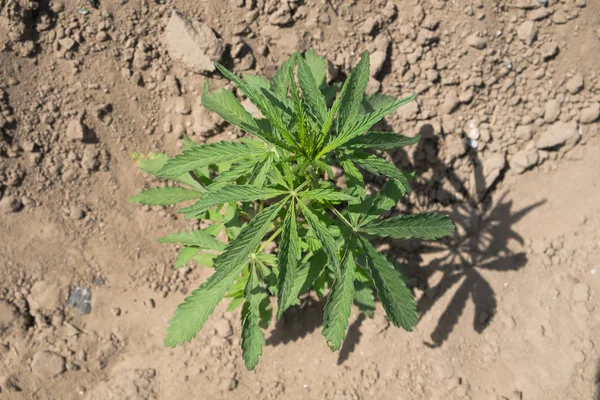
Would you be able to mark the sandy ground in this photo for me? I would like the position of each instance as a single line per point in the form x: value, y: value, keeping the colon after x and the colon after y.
x: 508, y: 105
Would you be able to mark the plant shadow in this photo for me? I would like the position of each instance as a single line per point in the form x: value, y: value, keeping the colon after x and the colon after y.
x: 298, y: 321
x: 482, y: 241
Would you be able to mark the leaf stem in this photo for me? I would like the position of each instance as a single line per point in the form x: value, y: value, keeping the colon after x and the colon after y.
x: 340, y: 216
x: 270, y: 239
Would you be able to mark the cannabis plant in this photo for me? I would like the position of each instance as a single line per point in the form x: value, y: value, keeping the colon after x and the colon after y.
x: 279, y: 183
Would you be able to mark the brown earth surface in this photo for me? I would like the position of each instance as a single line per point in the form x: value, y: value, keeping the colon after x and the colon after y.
x: 508, y: 107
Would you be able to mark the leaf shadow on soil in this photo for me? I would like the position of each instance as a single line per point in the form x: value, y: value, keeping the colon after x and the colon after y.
x: 482, y: 242
x: 298, y: 321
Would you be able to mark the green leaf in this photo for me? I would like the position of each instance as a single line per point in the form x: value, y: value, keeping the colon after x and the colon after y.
x: 186, y: 254
x: 357, y: 83
x: 427, y: 226
x: 227, y: 106
x: 165, y: 196
x: 374, y: 102
x: 325, y: 237
x: 191, y: 315
x: 308, y: 272
x: 207, y: 154
x: 289, y: 252
x: 197, y: 238
x: 257, y: 81
x: 152, y: 163
x: 354, y: 181
x: 235, y: 303
x: 364, y: 299
x: 311, y: 94
x: 396, y: 298
x: 206, y: 259
x: 378, y: 203
x: 339, y: 303
x: 331, y: 114
x: 326, y: 194
x: 283, y: 77
x: 381, y: 141
x: 234, y: 173
x: 261, y: 170
x: 317, y: 65
x: 267, y: 106
x: 253, y: 338
x: 379, y: 166
x: 238, y: 251
x: 360, y: 126
x: 229, y: 194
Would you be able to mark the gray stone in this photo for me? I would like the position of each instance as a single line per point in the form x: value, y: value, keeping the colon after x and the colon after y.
x: 451, y: 102
x: 8, y: 315
x: 539, y: 14
x: 10, y: 204
x: 67, y: 43
x: 476, y: 42
x: 557, y: 135
x: 527, y: 32
x: 377, y: 60
x: 223, y: 328
x: 192, y: 43
x: 575, y: 84
x: 549, y: 50
x: 75, y: 130
x: 523, y: 160
x: 590, y: 114
x: 47, y: 364
x: 551, y: 111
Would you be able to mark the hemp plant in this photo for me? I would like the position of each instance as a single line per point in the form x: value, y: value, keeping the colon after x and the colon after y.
x: 278, y: 183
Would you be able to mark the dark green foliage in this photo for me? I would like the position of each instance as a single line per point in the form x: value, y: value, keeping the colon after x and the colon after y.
x: 278, y: 187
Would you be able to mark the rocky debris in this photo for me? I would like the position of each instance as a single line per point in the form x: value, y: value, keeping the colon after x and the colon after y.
x: 8, y: 315
x: 539, y: 14
x: 205, y: 123
x: 527, y: 32
x: 80, y: 298
x: 549, y: 50
x: 590, y: 114
x: 181, y: 106
x: 557, y: 134
x: 67, y: 43
x: 476, y: 41
x: 47, y: 364
x: 575, y: 84
x: 76, y: 212
x: 551, y: 111
x: 451, y: 102
x: 44, y: 297
x: 192, y: 43
x: 370, y: 26
x: 75, y: 130
x: 523, y: 160
x: 223, y: 328
x: 378, y: 58
x: 138, y: 384
x: 281, y: 16
x: 10, y: 204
